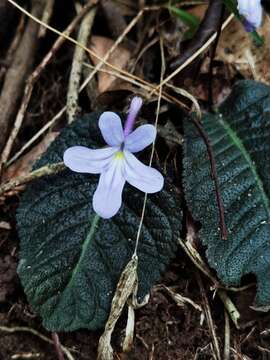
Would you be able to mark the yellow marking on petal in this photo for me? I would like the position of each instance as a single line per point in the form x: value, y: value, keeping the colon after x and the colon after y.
x: 119, y: 155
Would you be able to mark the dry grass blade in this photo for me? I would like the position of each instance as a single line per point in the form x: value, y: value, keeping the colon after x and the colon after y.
x: 194, y: 56
x: 201, y: 265
x: 37, y: 135
x: 103, y: 60
x: 162, y: 72
x: 92, y: 53
x: 178, y: 298
x: 17, y: 73
x: 33, y: 79
x: 209, y: 319
x: 189, y: 96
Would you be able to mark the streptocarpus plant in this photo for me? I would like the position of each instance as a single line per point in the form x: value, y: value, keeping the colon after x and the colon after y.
x: 71, y: 258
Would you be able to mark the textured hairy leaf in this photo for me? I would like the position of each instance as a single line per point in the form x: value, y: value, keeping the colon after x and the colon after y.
x: 69, y: 262
x: 240, y: 136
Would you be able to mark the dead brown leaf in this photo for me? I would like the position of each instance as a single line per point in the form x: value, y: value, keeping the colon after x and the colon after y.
x: 120, y: 58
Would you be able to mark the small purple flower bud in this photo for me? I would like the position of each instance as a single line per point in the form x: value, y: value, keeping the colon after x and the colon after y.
x: 248, y: 26
x: 135, y: 106
x: 251, y: 10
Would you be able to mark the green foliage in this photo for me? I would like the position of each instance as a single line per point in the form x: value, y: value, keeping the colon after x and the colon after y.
x: 188, y: 19
x: 70, y: 262
x: 240, y: 137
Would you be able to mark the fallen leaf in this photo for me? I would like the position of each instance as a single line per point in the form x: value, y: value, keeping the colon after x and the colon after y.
x: 120, y: 58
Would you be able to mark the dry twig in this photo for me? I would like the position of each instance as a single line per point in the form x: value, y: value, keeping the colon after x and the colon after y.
x: 47, y: 14
x: 162, y: 72
x: 36, y: 174
x: 13, y: 46
x: 97, y: 68
x: 209, y: 318
x: 194, y: 56
x: 200, y: 264
x: 77, y: 63
x: 34, y: 78
x: 227, y: 336
x: 18, y: 71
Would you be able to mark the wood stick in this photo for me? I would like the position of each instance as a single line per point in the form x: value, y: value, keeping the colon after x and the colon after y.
x: 33, y: 79
x: 77, y: 64
x: 36, y: 174
x: 17, y: 73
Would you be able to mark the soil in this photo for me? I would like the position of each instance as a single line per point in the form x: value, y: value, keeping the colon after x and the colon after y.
x: 163, y: 330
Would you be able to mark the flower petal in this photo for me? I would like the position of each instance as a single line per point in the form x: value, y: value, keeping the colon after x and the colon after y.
x: 252, y: 11
x: 111, y: 128
x: 84, y: 160
x: 143, y: 177
x: 107, y: 198
x: 140, y: 138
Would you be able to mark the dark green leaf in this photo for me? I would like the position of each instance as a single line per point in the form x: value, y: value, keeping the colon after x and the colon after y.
x: 69, y: 263
x: 187, y: 18
x: 240, y: 136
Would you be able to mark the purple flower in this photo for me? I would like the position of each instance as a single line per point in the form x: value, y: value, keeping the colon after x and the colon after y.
x: 251, y: 10
x: 116, y: 163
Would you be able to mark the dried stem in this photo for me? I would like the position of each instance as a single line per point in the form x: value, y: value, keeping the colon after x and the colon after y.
x: 230, y: 307
x: 209, y: 318
x: 46, y: 170
x: 162, y: 72
x: 221, y: 291
x: 227, y: 336
x: 37, y: 135
x: 198, y: 261
x: 14, y: 329
x: 17, y: 72
x: 47, y: 14
x: 194, y: 56
x: 33, y: 79
x: 77, y: 63
x: 13, y: 46
x: 118, y: 72
x: 103, y: 60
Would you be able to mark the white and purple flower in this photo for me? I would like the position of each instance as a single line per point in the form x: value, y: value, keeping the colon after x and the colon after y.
x: 252, y: 11
x: 116, y: 163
